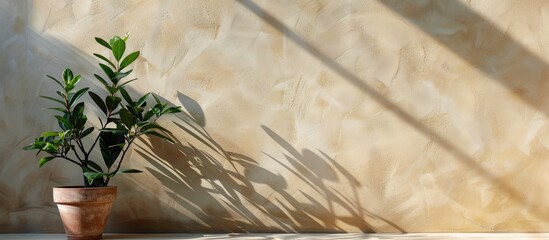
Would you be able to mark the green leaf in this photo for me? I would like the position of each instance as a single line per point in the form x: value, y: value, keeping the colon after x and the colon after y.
x: 144, y: 123
x: 67, y: 75
x: 62, y: 135
x: 64, y: 121
x: 126, y: 36
x: 129, y: 59
x: 157, y: 110
x: 86, y: 132
x: 118, y: 48
x: 142, y: 100
x: 37, y: 145
x: 50, y: 148
x: 126, y: 96
x: 53, y: 99
x: 157, y: 134
x: 94, y: 166
x: 153, y: 126
x: 77, y: 95
x: 99, y: 102
x: 157, y: 100
x: 127, y: 118
x: 30, y: 147
x: 103, y: 42
x: 113, y: 39
x: 139, y: 113
x: 63, y: 126
x: 75, y: 80
x: 60, y: 110
x: 106, y: 140
x: 112, y: 102
x: 78, y: 109
x: 104, y: 59
x: 149, y: 114
x: 132, y: 110
x: 109, y: 72
x: 121, y: 145
x: 79, y: 119
x: 121, y: 75
x: 69, y: 87
x: 121, y: 85
x: 113, y: 120
x: 44, y: 160
x: 49, y: 134
x: 129, y: 171
x: 101, y: 80
x: 61, y: 94
x: 91, y: 176
x: 124, y: 171
x: 112, y: 89
x: 173, y: 110
x: 114, y: 130
x: 57, y: 81
x: 81, y: 122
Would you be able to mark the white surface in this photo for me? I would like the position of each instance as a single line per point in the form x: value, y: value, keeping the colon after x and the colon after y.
x: 295, y: 236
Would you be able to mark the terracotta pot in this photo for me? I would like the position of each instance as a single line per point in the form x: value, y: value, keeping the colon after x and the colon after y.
x: 84, y: 211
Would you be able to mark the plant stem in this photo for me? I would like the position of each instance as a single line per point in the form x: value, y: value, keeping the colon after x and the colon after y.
x: 81, y: 146
x: 103, y: 126
x: 122, y: 157
x: 67, y: 158
x: 78, y: 141
x: 91, y: 148
x: 76, y: 154
x: 124, y: 154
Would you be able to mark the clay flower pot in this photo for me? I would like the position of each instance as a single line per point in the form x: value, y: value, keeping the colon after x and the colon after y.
x: 84, y: 211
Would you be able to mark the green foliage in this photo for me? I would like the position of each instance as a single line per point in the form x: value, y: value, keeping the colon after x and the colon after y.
x: 121, y: 123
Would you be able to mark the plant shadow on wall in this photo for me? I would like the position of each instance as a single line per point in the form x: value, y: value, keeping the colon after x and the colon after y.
x: 531, y: 95
x: 482, y: 44
x: 218, y: 190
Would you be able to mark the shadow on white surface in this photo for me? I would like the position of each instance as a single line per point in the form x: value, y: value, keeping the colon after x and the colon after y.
x: 271, y: 236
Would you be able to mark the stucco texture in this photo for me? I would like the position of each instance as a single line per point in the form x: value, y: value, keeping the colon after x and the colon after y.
x: 309, y: 116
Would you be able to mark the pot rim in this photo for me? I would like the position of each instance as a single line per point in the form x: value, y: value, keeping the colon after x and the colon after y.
x: 80, y: 194
x: 82, y: 187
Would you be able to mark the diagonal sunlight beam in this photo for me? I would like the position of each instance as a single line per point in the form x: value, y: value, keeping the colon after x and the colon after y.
x: 389, y: 105
x: 481, y: 54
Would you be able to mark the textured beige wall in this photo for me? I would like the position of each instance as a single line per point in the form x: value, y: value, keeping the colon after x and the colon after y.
x: 391, y: 116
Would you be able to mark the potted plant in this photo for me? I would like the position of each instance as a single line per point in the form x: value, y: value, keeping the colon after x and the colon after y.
x: 84, y: 209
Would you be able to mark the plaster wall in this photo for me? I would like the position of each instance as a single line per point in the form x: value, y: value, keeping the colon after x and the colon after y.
x: 322, y: 116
